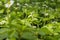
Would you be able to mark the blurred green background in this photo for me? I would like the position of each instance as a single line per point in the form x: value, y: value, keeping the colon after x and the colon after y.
x: 29, y: 19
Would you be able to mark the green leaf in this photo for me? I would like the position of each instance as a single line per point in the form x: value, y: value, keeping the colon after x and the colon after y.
x: 29, y: 36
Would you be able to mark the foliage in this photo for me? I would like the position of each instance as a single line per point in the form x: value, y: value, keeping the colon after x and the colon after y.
x: 29, y: 19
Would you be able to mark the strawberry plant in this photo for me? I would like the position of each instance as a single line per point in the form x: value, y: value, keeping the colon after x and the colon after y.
x: 29, y: 19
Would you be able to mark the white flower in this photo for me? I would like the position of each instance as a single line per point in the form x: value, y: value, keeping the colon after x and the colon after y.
x: 46, y: 14
x: 34, y: 26
x: 54, y: 22
x: 7, y: 5
x: 2, y: 22
x: 11, y: 1
x: 26, y: 4
x: 18, y: 4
